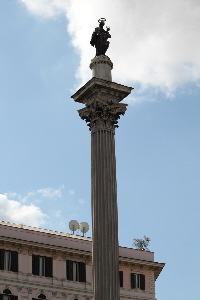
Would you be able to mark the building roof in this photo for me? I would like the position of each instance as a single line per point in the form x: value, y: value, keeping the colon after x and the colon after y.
x: 70, y: 243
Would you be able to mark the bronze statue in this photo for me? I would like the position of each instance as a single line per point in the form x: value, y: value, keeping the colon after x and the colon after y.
x: 100, y: 37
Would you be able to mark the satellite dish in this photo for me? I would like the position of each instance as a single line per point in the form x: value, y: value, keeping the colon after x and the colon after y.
x: 84, y: 227
x: 73, y: 225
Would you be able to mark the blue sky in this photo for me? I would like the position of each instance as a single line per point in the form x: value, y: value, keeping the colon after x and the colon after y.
x: 45, y: 146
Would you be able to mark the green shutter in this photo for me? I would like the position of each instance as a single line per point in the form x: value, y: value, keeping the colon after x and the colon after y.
x: 69, y: 269
x: 2, y: 253
x: 48, y: 266
x: 132, y: 280
x: 121, y: 278
x: 142, y: 282
x: 35, y: 264
x: 82, y: 272
x: 14, y: 261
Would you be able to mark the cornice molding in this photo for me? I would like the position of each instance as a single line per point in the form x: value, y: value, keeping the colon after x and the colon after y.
x: 32, y: 285
x: 86, y: 255
x: 106, y: 88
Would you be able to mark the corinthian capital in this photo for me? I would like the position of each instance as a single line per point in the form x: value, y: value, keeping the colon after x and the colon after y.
x: 101, y: 116
x: 102, y: 103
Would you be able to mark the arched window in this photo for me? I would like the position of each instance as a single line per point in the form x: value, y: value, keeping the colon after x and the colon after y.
x: 7, y: 295
x: 7, y: 292
x: 42, y: 296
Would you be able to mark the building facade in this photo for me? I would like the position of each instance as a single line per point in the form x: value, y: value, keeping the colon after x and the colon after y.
x: 44, y: 264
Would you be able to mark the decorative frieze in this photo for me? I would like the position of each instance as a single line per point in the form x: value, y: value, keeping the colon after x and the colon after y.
x: 54, y: 255
x: 64, y: 295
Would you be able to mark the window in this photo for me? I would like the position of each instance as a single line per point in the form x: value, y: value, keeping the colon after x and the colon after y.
x: 7, y: 295
x: 8, y: 260
x: 41, y: 296
x: 137, y: 281
x: 42, y: 265
x: 76, y: 271
x: 121, y: 278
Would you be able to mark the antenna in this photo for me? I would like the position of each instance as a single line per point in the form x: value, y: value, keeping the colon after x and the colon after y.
x: 84, y: 227
x: 73, y: 225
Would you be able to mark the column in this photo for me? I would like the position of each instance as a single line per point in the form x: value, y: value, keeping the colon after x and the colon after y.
x: 20, y: 263
x: 102, y: 111
x: 104, y: 216
x: 19, y: 289
x: 29, y: 294
x: 29, y: 264
x: 54, y: 275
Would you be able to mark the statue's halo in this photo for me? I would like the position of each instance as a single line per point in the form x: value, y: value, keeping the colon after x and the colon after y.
x: 102, y: 20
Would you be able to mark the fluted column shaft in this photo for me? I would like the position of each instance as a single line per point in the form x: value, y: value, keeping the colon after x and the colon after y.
x: 101, y: 113
x: 104, y: 216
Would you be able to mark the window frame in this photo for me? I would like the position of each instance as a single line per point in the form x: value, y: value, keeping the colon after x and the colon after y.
x: 76, y: 271
x: 8, y: 260
x: 7, y: 295
x: 48, y: 266
x: 137, y: 281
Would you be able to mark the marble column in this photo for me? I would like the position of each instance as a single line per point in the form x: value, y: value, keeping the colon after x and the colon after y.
x: 102, y: 111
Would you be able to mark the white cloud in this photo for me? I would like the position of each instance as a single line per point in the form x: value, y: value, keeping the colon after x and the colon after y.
x: 13, y: 211
x: 58, y: 213
x: 29, y: 195
x: 81, y: 201
x: 50, y: 193
x: 71, y: 192
x: 13, y: 195
x: 46, y: 8
x: 154, y: 43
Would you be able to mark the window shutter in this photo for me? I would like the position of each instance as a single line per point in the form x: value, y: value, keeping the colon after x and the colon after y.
x: 35, y: 264
x: 2, y: 253
x: 14, y: 261
x: 132, y: 280
x: 82, y: 272
x: 48, y: 266
x: 121, y: 278
x: 142, y: 282
x: 69, y: 270
x: 13, y: 297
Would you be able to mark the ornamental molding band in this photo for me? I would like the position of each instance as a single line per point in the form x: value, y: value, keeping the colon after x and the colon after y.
x: 101, y: 59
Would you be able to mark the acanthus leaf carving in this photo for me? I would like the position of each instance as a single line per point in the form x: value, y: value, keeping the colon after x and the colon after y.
x: 102, y: 116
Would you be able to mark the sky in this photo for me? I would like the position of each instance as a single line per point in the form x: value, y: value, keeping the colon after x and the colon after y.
x: 45, y: 147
